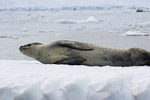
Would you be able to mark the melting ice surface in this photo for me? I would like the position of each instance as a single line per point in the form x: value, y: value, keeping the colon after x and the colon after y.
x: 21, y: 78
x: 31, y: 80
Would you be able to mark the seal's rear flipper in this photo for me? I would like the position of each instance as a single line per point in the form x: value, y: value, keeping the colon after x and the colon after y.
x: 75, y: 45
x: 71, y: 61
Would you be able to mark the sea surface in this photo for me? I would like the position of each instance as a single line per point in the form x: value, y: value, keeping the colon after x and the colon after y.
x: 101, y: 27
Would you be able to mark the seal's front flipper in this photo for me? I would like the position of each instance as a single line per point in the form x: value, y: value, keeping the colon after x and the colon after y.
x: 71, y: 61
x: 75, y: 45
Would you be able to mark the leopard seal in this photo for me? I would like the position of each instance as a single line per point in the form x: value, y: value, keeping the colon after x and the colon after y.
x: 79, y: 53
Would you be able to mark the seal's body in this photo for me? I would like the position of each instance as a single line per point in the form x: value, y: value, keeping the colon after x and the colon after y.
x: 78, y: 53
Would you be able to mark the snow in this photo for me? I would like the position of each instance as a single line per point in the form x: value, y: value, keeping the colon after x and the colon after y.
x: 135, y: 33
x: 31, y: 80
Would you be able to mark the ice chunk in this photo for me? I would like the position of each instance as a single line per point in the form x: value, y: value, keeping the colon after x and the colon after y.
x: 66, y: 21
x: 143, y: 9
x: 135, y: 33
x: 24, y: 30
x: 91, y: 19
x: 44, y: 31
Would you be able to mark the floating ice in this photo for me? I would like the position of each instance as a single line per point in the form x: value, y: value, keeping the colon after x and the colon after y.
x: 91, y: 19
x: 66, y: 21
x: 24, y: 30
x: 135, y: 33
x: 45, y: 31
x: 45, y: 21
x: 143, y: 9
x: 140, y: 27
x: 31, y: 80
x: 9, y: 37
x: 88, y: 20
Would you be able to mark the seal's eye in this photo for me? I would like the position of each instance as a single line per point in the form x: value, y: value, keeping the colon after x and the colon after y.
x: 29, y: 45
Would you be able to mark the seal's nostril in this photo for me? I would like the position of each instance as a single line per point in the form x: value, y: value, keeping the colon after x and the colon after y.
x: 20, y: 47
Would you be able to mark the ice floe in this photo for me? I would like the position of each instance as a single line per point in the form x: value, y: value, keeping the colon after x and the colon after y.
x: 31, y: 80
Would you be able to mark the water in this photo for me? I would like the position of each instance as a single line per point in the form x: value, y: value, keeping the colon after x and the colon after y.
x: 22, y: 27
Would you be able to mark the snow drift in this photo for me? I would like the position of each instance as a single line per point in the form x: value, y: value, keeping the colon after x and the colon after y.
x: 31, y: 80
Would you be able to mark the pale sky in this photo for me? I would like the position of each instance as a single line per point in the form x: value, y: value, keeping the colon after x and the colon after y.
x: 60, y: 3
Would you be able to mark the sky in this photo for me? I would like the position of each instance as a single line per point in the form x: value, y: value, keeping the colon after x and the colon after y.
x: 61, y: 3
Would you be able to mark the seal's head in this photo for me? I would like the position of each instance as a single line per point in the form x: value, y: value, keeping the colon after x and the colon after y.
x: 30, y: 49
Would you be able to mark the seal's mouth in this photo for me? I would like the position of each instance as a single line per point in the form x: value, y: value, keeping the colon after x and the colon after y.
x: 22, y: 48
